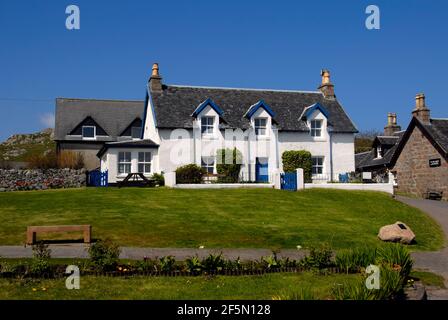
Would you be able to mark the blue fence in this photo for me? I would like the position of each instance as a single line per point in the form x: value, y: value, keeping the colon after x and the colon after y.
x: 98, y: 178
x: 288, y: 181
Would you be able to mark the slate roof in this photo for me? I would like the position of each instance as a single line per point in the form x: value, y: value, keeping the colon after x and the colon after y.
x: 175, y: 104
x: 368, y: 160
x: 114, y: 116
x: 439, y: 132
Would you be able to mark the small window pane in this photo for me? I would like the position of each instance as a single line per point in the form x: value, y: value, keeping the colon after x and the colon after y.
x: 207, y: 125
x: 208, y: 163
x: 136, y: 132
x: 88, y: 132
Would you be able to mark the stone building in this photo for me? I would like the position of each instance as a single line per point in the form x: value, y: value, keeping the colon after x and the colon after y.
x: 417, y: 156
x: 420, y: 162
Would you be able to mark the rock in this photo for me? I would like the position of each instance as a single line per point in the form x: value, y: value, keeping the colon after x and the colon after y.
x: 2, y: 190
x: 416, y: 292
x: 397, y: 232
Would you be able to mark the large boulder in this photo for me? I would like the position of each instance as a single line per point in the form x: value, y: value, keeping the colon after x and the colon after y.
x: 397, y: 232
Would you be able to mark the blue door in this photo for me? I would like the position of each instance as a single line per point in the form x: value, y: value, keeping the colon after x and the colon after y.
x: 288, y: 181
x: 261, y: 170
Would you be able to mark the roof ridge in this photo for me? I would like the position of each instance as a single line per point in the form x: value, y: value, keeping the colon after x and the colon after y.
x: 242, y: 89
x: 93, y: 99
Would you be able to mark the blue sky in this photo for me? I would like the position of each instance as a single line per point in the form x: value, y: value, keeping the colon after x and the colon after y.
x: 251, y: 44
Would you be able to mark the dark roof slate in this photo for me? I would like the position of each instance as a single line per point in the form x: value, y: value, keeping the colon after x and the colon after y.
x: 147, y: 143
x: 175, y: 104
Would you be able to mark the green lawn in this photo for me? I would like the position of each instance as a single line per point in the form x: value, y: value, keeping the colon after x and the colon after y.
x: 173, y: 288
x: 257, y: 218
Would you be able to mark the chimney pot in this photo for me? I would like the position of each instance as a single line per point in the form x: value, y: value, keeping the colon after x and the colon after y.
x: 326, y: 87
x: 421, y: 111
x: 155, y: 81
x: 391, y: 126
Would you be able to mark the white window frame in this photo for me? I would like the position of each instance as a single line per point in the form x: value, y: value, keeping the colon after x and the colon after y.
x: 316, y: 129
x: 207, y: 165
x: 379, y: 152
x: 124, y: 163
x: 144, y: 162
x: 207, y: 126
x: 140, y: 132
x: 317, y: 165
x: 88, y: 138
x: 261, y: 130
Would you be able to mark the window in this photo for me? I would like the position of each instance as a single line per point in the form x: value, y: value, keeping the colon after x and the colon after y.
x: 208, y: 163
x: 378, y: 152
x: 207, y: 125
x: 88, y: 132
x: 316, y: 128
x: 144, y: 162
x: 136, y: 132
x: 124, y: 162
x: 318, y: 165
x: 260, y: 126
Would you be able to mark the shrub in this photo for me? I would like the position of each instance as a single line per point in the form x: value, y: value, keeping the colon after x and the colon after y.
x: 397, y: 257
x: 43, y: 161
x: 146, y: 265
x: 167, y: 264
x: 353, y: 260
x: 228, y: 164
x: 40, y: 264
x: 159, y: 179
x: 305, y: 293
x: 193, y: 265
x: 214, y: 262
x: 298, y: 159
x: 104, y: 255
x: 189, y: 173
x: 70, y: 160
x: 318, y: 258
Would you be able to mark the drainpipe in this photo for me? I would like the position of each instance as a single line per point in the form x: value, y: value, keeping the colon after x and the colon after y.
x: 330, y: 132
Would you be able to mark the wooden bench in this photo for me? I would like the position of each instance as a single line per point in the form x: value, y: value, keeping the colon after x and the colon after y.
x: 434, y: 194
x: 32, y: 231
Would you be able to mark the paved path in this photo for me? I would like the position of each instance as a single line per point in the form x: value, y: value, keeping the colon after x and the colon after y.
x: 80, y: 251
x: 436, y: 261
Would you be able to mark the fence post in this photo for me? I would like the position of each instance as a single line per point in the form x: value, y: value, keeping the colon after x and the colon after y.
x: 300, y: 179
x: 170, y: 179
x: 277, y: 182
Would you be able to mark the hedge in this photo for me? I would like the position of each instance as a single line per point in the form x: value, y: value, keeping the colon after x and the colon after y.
x: 293, y: 160
x: 229, y: 165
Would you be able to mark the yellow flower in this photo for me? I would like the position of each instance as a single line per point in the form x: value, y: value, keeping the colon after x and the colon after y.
x: 44, y: 289
x: 34, y: 289
x: 119, y: 268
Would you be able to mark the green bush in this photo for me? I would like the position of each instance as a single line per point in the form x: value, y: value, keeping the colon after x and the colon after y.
x: 318, y: 258
x: 354, y: 260
x: 104, y: 255
x: 159, y: 179
x: 40, y: 264
x: 305, y: 293
x: 214, y: 262
x: 293, y: 160
x: 228, y: 163
x: 193, y: 265
x: 189, y: 173
x: 167, y: 264
x: 397, y: 257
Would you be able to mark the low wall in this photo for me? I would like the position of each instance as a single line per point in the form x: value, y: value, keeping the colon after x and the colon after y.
x: 16, y: 180
x: 384, y: 187
x: 224, y: 185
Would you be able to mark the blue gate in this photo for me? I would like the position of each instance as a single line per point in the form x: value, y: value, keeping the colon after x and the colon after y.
x: 98, y: 178
x: 288, y: 181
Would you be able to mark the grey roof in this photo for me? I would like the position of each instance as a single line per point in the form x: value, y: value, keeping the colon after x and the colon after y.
x: 438, y: 129
x: 175, y: 104
x: 368, y: 160
x: 147, y: 143
x: 112, y: 115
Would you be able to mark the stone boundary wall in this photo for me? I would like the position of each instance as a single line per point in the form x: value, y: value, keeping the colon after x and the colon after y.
x: 35, y: 179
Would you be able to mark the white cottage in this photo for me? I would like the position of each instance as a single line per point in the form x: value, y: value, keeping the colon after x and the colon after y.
x: 185, y: 124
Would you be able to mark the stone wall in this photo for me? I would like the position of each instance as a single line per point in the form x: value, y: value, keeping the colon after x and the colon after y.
x: 15, y: 180
x: 414, y: 175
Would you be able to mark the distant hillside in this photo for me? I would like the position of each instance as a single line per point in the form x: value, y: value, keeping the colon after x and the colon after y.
x: 20, y: 147
x: 364, y: 140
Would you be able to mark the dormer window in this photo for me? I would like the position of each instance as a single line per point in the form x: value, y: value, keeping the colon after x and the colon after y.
x: 207, y: 125
x: 316, y: 128
x: 88, y: 132
x: 136, y: 132
x: 260, y: 126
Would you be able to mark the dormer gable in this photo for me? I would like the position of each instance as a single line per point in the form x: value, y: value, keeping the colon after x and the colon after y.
x: 255, y: 107
x: 203, y: 105
x: 309, y: 111
x: 131, y: 129
x: 88, y: 123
